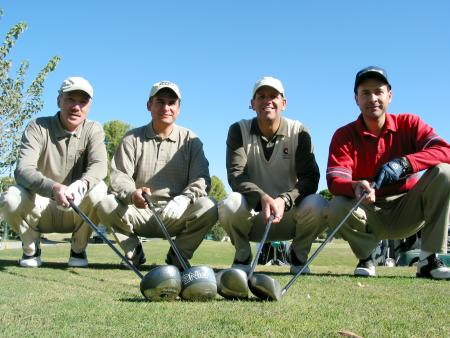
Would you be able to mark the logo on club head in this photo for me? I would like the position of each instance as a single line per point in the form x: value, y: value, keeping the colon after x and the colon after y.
x: 192, y: 276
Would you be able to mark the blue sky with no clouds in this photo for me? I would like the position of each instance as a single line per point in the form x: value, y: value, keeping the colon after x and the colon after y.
x: 216, y: 50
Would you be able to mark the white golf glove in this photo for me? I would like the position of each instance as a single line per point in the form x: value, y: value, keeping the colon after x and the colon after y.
x: 76, y: 190
x: 176, y: 207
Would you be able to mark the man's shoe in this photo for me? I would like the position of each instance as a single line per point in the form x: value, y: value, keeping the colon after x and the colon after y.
x: 296, y: 268
x: 365, y: 268
x: 432, y: 267
x: 244, y: 266
x: 172, y: 259
x: 77, y: 260
x: 138, y: 257
x: 296, y: 265
x: 31, y: 261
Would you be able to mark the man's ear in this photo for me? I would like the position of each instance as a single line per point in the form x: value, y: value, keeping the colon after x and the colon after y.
x: 148, y: 104
x: 58, y: 99
x: 251, y: 105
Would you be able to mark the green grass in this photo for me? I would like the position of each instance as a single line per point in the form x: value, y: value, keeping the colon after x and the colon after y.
x: 103, y: 300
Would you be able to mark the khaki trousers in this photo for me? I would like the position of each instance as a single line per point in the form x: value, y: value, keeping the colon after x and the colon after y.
x: 130, y: 222
x: 302, y: 224
x: 426, y: 207
x: 30, y: 214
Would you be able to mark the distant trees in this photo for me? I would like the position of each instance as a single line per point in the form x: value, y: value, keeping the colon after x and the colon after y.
x: 219, y: 193
x: 114, y: 131
x: 17, y: 105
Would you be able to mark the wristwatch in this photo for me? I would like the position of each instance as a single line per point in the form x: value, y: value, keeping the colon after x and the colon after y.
x: 287, y: 202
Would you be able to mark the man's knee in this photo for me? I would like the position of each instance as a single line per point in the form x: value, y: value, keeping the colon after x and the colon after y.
x: 97, y: 193
x: 443, y: 170
x: 105, y: 208
x: 13, y: 200
x: 313, y: 207
x: 230, y: 206
x: 337, y: 208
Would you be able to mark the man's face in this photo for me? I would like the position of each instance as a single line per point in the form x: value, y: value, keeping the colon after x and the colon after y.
x: 74, y: 107
x: 373, y: 97
x: 165, y: 107
x: 268, y: 103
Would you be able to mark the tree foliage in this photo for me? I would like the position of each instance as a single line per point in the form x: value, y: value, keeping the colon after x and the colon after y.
x: 114, y: 131
x: 217, y: 189
x: 17, y: 104
x: 218, y: 193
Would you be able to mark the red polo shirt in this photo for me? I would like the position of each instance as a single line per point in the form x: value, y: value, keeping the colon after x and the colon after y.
x: 356, y: 154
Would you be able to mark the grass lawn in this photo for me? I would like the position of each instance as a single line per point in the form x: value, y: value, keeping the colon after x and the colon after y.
x: 104, y: 300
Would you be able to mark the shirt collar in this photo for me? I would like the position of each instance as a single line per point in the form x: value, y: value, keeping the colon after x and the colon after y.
x: 150, y: 133
x: 282, y: 130
x: 59, y: 130
x: 389, y: 126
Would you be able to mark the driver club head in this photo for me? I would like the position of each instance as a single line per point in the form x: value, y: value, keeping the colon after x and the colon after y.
x: 162, y: 283
x: 232, y: 284
x: 264, y: 287
x: 198, y: 283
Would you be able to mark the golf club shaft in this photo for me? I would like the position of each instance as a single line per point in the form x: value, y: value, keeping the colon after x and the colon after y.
x: 329, y: 238
x: 164, y: 230
x: 107, y: 241
x: 263, y: 240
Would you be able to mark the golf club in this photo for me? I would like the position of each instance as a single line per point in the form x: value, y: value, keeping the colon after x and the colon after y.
x: 261, y: 285
x: 160, y: 283
x: 197, y: 283
x: 329, y: 238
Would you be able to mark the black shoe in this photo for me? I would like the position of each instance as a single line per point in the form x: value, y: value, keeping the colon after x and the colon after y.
x: 432, y: 267
x: 172, y: 259
x: 365, y: 268
x: 296, y: 264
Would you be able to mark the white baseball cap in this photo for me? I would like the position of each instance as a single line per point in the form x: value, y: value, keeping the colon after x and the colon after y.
x: 164, y: 84
x: 270, y: 82
x: 76, y: 83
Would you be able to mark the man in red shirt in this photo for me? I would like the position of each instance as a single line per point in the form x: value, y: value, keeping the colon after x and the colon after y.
x: 381, y: 154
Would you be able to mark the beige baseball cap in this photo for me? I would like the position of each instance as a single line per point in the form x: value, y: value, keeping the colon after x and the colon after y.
x: 270, y: 82
x: 164, y: 84
x: 76, y: 83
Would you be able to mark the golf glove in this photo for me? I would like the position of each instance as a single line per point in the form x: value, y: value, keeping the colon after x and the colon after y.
x: 176, y: 207
x: 391, y: 172
x: 77, y: 190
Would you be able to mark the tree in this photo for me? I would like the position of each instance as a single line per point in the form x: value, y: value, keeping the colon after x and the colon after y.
x: 114, y: 131
x: 5, y: 183
x: 17, y: 105
x: 218, y: 193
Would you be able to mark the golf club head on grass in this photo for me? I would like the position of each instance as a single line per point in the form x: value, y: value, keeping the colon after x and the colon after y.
x: 198, y: 283
x: 162, y: 283
x: 264, y: 287
x: 232, y: 284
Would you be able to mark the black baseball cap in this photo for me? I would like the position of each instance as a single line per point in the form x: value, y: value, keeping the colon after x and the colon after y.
x: 371, y: 72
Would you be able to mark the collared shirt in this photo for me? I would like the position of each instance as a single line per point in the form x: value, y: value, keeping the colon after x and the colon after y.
x: 169, y: 167
x: 49, y: 154
x: 356, y: 154
x: 240, y: 178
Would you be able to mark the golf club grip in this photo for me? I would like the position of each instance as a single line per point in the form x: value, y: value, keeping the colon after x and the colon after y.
x: 263, y: 240
x: 107, y: 241
x: 164, y: 230
x: 330, y: 236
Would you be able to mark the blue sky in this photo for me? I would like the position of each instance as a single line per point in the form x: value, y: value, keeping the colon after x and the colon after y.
x: 215, y: 51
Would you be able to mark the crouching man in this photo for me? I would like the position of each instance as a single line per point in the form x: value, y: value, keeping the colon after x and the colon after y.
x: 62, y: 158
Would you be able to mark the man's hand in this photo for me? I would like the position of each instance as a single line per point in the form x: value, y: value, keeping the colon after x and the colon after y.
x: 176, y: 207
x: 138, y: 200
x: 391, y: 172
x: 76, y: 191
x: 360, y: 187
x: 270, y: 206
x: 60, y: 198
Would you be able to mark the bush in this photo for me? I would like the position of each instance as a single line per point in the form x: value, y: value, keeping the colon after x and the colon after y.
x: 217, y: 232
